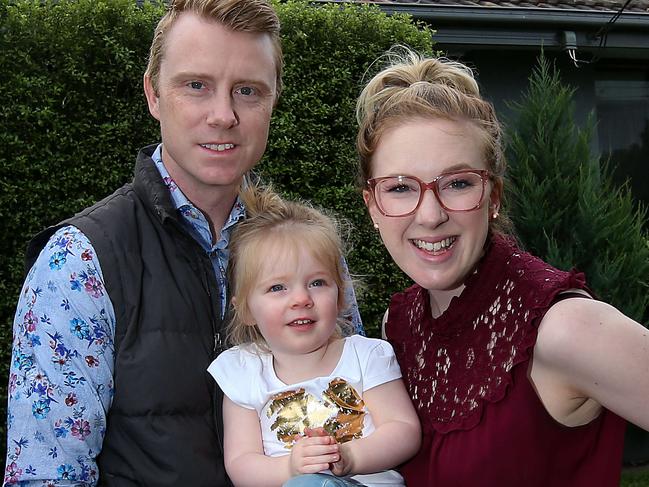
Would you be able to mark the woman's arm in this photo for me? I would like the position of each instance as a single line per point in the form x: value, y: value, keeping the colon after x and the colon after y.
x: 244, y: 456
x: 397, y: 436
x: 589, y: 354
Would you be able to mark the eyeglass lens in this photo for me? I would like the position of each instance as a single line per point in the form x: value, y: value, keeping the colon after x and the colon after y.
x: 401, y: 195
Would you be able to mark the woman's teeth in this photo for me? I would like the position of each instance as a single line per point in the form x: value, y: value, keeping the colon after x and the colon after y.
x: 434, y: 246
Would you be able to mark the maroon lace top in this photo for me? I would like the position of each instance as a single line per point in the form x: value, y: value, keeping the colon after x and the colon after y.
x: 467, y: 373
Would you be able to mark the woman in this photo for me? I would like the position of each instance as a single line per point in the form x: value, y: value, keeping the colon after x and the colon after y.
x: 518, y: 375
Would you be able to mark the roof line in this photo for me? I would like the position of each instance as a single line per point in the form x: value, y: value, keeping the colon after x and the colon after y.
x: 498, y: 15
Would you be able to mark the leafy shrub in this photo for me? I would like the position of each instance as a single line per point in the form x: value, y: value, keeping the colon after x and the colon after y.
x: 566, y: 207
x: 71, y: 116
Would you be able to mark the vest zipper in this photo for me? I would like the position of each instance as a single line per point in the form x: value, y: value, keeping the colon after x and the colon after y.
x: 217, y: 395
x: 218, y: 344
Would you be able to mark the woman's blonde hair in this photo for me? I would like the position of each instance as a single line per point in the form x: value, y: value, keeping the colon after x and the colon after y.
x: 275, y: 224
x: 415, y: 87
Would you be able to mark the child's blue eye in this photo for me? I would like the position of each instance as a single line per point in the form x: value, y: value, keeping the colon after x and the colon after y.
x: 319, y: 283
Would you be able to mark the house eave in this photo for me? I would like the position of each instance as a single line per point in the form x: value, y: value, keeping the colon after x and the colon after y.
x: 531, y: 28
x: 494, y: 16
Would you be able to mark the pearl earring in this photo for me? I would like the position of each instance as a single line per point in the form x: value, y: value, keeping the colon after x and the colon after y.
x: 376, y: 226
x: 495, y: 215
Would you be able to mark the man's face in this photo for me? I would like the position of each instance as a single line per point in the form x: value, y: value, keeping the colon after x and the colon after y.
x: 215, y: 96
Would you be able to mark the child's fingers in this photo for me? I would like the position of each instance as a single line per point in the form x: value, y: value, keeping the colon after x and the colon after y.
x: 314, y: 468
x: 311, y: 432
x: 313, y: 455
x: 315, y: 464
x: 318, y: 450
x: 318, y: 440
x: 318, y: 464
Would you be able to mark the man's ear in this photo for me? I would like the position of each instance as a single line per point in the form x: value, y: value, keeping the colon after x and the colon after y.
x: 152, y: 98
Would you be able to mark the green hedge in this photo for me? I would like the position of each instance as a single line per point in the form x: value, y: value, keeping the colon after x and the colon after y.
x: 72, y: 116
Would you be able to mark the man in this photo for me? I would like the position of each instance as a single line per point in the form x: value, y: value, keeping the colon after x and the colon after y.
x: 123, y: 308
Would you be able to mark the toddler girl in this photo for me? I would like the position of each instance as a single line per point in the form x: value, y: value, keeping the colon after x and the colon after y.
x: 300, y: 398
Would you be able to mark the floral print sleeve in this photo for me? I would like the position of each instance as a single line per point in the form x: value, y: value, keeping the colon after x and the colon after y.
x: 61, y: 376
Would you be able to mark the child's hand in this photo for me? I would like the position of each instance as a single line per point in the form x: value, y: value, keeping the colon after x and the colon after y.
x: 320, y: 431
x: 313, y: 454
x: 343, y: 465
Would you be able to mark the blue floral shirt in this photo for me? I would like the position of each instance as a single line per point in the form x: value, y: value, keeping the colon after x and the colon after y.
x: 61, y: 375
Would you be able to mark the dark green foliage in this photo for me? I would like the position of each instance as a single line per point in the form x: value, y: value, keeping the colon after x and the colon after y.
x: 635, y: 478
x: 73, y: 114
x: 564, y: 204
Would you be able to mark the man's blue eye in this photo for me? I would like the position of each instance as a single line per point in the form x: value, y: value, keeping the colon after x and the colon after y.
x: 196, y: 85
x: 246, y: 90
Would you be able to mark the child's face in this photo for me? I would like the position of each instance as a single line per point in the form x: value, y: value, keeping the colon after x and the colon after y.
x: 294, y: 303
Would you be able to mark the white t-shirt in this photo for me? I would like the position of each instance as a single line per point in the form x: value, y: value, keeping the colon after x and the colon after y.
x: 246, y: 375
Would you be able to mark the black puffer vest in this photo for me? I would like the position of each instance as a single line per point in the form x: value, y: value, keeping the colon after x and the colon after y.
x: 164, y: 425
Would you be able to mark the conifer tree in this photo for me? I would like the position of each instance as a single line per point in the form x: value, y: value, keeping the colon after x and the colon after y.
x: 563, y: 202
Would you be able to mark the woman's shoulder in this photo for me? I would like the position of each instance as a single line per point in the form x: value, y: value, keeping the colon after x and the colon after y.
x: 511, y: 261
x: 572, y: 320
x: 575, y: 330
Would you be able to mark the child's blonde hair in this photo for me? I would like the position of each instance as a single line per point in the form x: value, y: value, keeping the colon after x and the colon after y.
x: 275, y: 223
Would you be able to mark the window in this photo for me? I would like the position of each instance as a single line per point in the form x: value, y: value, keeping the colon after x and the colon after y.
x: 623, y: 127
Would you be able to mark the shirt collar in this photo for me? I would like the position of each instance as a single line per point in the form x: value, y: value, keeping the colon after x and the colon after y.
x: 188, y: 211
x: 177, y: 196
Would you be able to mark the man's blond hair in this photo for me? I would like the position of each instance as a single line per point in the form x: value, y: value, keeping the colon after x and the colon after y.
x: 255, y: 16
